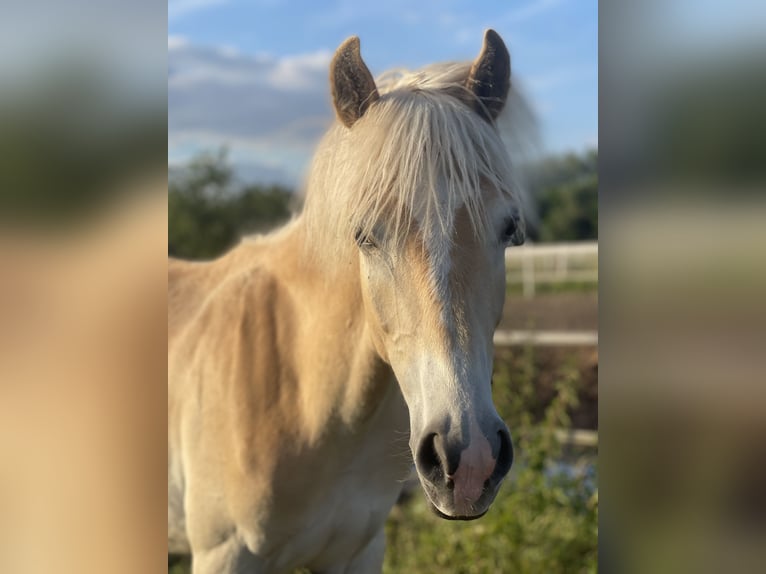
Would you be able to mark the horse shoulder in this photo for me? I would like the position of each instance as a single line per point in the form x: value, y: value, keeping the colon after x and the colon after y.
x: 187, y: 286
x: 241, y: 349
x: 234, y: 393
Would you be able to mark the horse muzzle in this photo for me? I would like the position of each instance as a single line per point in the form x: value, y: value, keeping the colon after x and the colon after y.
x: 461, y: 479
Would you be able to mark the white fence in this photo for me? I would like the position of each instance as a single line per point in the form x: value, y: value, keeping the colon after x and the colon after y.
x: 531, y: 264
x: 546, y: 338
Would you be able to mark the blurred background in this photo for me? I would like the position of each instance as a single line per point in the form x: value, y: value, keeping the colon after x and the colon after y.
x: 683, y: 321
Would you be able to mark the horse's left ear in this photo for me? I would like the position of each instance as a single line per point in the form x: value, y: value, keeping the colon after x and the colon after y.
x: 490, y: 76
x: 353, y: 87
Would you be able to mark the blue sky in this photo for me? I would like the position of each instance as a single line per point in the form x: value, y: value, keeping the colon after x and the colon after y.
x: 252, y: 74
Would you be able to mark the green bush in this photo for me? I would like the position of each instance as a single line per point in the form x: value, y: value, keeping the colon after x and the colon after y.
x: 208, y: 211
x: 569, y: 212
x: 565, y: 192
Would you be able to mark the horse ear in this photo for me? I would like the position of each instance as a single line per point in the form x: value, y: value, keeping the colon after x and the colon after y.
x: 353, y: 87
x: 490, y: 76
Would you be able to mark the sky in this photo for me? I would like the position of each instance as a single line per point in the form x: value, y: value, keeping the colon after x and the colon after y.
x: 252, y: 75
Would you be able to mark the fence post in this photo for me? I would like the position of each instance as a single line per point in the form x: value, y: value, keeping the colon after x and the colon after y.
x: 528, y: 272
x: 554, y: 263
x: 562, y: 264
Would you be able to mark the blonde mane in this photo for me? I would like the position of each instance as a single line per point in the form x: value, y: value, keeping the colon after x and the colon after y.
x: 416, y: 155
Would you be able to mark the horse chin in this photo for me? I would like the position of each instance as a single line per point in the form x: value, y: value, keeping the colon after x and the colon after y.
x: 440, y: 514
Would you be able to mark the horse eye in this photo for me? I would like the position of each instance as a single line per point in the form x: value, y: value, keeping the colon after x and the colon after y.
x: 511, y: 235
x: 510, y: 229
x: 363, y: 240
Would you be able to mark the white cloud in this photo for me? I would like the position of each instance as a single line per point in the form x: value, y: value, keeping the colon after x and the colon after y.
x: 176, y: 42
x: 195, y: 65
x: 269, y: 111
x: 300, y: 72
x: 230, y: 51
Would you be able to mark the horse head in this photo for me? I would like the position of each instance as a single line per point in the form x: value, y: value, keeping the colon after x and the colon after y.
x: 435, y: 209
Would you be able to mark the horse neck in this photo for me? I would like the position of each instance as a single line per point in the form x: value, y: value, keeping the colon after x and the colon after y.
x: 343, y: 377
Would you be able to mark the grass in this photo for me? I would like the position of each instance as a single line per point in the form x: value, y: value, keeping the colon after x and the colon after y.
x: 182, y: 567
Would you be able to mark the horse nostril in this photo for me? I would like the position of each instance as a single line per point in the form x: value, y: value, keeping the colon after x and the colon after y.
x: 427, y: 458
x: 434, y: 461
x: 504, y: 456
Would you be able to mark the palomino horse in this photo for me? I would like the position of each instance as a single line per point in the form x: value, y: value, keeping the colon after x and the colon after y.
x: 300, y: 362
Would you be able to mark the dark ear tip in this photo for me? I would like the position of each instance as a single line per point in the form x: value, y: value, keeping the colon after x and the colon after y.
x: 351, y: 43
x: 490, y: 36
x: 493, y: 41
x: 489, y: 76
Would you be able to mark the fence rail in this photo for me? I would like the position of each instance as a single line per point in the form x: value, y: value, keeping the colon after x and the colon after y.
x: 577, y: 437
x: 531, y: 264
x: 546, y: 338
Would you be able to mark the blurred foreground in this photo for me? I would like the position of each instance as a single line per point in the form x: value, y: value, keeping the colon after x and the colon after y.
x: 83, y: 242
x: 82, y: 391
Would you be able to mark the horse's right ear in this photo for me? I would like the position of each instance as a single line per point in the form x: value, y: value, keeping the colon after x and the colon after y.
x: 353, y: 87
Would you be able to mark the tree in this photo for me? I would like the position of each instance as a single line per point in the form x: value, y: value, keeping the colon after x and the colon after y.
x: 208, y: 212
x: 566, y: 192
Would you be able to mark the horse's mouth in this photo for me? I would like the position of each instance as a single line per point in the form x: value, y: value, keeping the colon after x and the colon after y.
x: 436, y: 498
x: 440, y: 514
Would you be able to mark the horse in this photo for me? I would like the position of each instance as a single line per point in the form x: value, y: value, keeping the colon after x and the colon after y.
x: 308, y: 367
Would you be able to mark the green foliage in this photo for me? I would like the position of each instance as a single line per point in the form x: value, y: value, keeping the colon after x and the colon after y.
x: 570, y: 211
x: 207, y: 212
x: 557, y: 170
x: 66, y: 151
x: 566, y: 193
x: 544, y: 519
x: 182, y: 566
x: 709, y: 124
